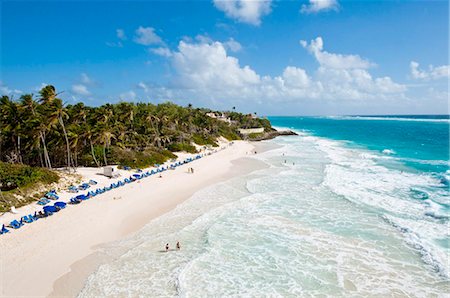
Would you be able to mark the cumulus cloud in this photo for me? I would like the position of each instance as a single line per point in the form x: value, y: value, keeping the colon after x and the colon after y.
x: 207, y: 70
x: 207, y: 65
x: 245, y: 11
x: 233, y: 45
x: 433, y: 73
x: 315, y: 6
x: 331, y: 60
x: 146, y: 36
x: 80, y: 89
x: 161, y: 51
x: 129, y: 95
x: 5, y: 90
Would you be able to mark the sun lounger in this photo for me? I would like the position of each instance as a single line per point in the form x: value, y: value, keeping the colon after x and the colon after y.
x: 4, y: 230
x: 15, y: 224
x: 27, y: 219
x: 75, y: 201
x: 127, y: 180
x: 73, y: 189
x: 92, y: 182
x: 81, y: 197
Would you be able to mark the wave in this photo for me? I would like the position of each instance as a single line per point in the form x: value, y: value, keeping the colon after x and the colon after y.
x: 417, y: 200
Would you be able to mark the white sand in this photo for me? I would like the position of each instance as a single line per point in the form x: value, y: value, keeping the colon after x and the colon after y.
x: 36, y: 255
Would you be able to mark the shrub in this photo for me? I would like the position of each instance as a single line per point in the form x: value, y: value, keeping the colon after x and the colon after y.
x: 204, y: 140
x: 22, y: 176
x: 182, y: 147
x: 140, y: 159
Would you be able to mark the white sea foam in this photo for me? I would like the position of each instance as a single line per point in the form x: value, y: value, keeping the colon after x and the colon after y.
x: 388, y: 151
x: 323, y: 220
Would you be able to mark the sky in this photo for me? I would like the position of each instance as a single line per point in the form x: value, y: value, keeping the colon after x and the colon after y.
x: 310, y: 57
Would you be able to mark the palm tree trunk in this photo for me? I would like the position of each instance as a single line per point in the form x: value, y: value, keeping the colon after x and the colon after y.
x: 48, y: 164
x: 18, y: 149
x: 104, y: 154
x: 93, y: 153
x: 67, y: 141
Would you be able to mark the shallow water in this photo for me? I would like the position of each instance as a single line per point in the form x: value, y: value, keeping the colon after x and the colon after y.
x: 326, y: 219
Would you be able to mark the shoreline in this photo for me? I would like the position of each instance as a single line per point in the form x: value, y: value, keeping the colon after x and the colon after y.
x: 99, y: 221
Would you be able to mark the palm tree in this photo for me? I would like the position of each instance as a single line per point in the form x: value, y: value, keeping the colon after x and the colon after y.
x: 10, y: 114
x: 58, y: 113
x: 156, y: 138
x: 105, y: 137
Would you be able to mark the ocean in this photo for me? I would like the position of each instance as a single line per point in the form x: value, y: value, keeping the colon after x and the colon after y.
x: 352, y: 207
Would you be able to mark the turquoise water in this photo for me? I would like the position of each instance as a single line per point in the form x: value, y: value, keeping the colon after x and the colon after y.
x: 420, y: 142
x: 349, y: 208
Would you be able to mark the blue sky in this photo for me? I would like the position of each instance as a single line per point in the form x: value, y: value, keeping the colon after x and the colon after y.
x: 272, y: 57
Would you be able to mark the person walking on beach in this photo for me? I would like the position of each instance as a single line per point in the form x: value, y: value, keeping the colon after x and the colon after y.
x: 167, y: 247
x: 178, y: 245
x: 192, y: 170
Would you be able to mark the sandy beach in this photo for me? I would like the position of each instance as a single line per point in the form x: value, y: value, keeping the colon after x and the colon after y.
x: 38, y: 254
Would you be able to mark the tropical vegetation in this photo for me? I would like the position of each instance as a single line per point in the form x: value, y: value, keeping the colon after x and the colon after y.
x: 42, y: 131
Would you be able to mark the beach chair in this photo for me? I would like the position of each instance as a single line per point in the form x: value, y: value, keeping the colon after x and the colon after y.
x: 81, y: 197
x: 73, y: 189
x: 91, y: 194
x: 27, y: 219
x: 75, y: 201
x: 127, y: 180
x: 92, y: 182
x: 4, y: 230
x: 43, y: 201
x: 15, y: 224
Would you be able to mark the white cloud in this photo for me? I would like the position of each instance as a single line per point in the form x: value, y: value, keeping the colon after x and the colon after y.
x: 206, y: 70
x: 161, y: 51
x: 5, y: 90
x: 85, y: 79
x: 433, y: 73
x: 147, y: 36
x: 143, y: 86
x: 315, y: 6
x: 121, y: 34
x: 80, y: 89
x: 205, y: 66
x: 331, y: 60
x: 129, y: 95
x: 245, y: 11
x: 233, y: 45
x: 296, y: 78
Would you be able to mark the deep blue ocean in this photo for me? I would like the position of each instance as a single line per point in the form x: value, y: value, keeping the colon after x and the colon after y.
x: 351, y: 207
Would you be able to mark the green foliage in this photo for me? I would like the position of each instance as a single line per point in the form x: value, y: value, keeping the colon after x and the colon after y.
x: 174, y: 147
x: 23, y: 176
x: 204, y: 140
x: 254, y: 136
x: 43, y: 132
x: 139, y: 159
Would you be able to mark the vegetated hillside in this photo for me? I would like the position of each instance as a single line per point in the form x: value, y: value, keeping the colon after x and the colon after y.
x: 42, y: 131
